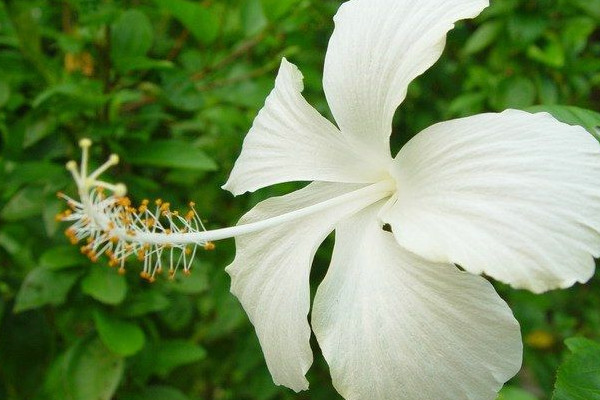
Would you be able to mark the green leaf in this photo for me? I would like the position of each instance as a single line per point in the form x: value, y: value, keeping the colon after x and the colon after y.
x: 552, y: 54
x: 275, y: 9
x: 105, y: 285
x: 158, y: 392
x: 170, y: 354
x: 199, y: 20
x: 87, y: 95
x: 43, y: 286
x: 588, y: 119
x: 4, y: 93
x: 38, y: 172
x: 38, y: 130
x: 179, y: 314
x: 171, y: 154
x: 576, y: 344
x: 11, y: 240
x: 60, y: 257
x: 180, y: 91
x: 121, y: 337
x: 499, y: 8
x: 579, y: 376
x: 466, y: 104
x: 26, y: 346
x: 131, y: 36
x: 87, y: 371
x: 253, y: 17
x: 136, y: 63
x: 196, y: 282
x: 515, y: 92
x: 591, y: 7
x: 483, y: 37
x: 547, y: 90
x: 145, y: 302
x: 526, y: 29
x: 576, y: 33
x: 25, y: 203
x: 514, y: 393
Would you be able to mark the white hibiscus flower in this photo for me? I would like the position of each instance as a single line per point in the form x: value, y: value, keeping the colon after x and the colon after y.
x: 512, y: 195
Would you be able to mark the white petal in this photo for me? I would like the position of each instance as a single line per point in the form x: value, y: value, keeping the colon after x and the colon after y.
x: 514, y: 195
x: 270, y: 275
x: 377, y: 48
x: 290, y: 141
x: 394, y: 326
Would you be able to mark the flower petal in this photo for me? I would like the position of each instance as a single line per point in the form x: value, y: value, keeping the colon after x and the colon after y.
x: 394, y: 326
x: 270, y: 275
x: 377, y: 48
x: 291, y: 141
x: 514, y: 195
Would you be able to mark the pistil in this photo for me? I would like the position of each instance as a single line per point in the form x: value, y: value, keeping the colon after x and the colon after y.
x: 112, y: 226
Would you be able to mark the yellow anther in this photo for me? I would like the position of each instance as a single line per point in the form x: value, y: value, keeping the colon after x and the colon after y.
x: 165, y: 207
x: 124, y: 201
x: 158, y: 202
x: 187, y: 251
x: 189, y: 216
x: 145, y: 202
x: 209, y: 246
x: 122, y: 271
x: 192, y: 204
x: 85, y: 143
x: 63, y: 215
x: 187, y: 272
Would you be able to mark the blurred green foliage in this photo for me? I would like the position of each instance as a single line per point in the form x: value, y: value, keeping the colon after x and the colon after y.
x: 173, y: 86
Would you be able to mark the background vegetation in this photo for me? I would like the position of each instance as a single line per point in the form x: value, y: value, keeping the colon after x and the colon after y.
x: 173, y: 86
